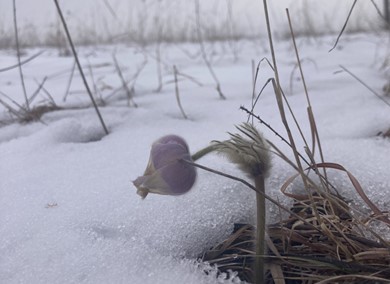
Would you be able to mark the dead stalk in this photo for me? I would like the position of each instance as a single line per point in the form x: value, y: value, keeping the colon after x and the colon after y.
x: 177, y: 93
x: 344, y: 26
x: 203, y: 50
x: 279, y: 98
x: 158, y: 63
x: 124, y: 84
x: 18, y: 56
x: 79, y: 66
x: 95, y: 89
x: 69, y: 81
x: 22, y: 62
x: 314, y: 130
x: 365, y: 85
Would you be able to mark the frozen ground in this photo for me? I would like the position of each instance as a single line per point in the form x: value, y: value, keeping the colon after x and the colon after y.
x: 68, y: 210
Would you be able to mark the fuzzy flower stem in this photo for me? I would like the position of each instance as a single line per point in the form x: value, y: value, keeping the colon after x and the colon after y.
x: 260, y: 229
x: 250, y: 152
x: 203, y: 152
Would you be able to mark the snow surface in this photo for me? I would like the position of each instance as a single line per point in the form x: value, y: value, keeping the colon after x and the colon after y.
x: 68, y: 210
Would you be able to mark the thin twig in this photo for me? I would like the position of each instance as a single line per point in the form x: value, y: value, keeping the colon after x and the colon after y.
x: 255, y: 71
x: 158, y: 63
x: 344, y: 26
x: 50, y: 97
x: 124, y: 84
x: 95, y: 88
x: 79, y: 66
x: 167, y: 65
x: 232, y: 38
x: 10, y: 108
x: 203, y: 50
x: 132, y: 80
x: 192, y: 79
x: 387, y: 23
x: 110, y: 9
x: 69, y: 81
x: 22, y: 62
x: 18, y: 56
x: 365, y: 85
x: 36, y: 92
x: 251, y: 114
x: 298, y: 59
x: 256, y: 74
x: 14, y: 102
x: 296, y: 67
x: 177, y: 93
x: 259, y: 94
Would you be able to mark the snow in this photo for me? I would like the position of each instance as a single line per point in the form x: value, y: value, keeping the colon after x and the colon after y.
x: 68, y: 210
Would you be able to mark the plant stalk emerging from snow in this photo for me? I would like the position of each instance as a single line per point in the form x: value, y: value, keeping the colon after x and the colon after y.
x: 250, y: 152
x: 79, y: 66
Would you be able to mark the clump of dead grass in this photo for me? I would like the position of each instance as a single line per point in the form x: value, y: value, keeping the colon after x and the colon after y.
x: 322, y: 239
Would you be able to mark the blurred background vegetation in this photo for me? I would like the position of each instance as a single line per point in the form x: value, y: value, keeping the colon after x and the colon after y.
x: 149, y: 21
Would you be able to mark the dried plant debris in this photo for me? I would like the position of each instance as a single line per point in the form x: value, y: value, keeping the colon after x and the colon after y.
x: 385, y: 134
x: 330, y: 244
x: 386, y: 89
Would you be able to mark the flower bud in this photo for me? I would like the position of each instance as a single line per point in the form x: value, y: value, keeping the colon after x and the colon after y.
x: 166, y: 173
x: 249, y: 150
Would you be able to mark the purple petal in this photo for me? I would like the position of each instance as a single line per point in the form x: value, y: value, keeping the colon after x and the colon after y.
x: 179, y: 175
x: 166, y: 173
x: 172, y: 139
x: 164, y: 154
x: 167, y: 150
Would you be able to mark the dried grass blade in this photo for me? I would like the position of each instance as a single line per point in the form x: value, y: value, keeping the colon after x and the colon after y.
x: 354, y: 278
x: 344, y: 26
x: 277, y: 273
x: 358, y: 189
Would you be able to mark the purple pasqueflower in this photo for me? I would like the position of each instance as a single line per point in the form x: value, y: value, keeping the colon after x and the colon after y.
x: 166, y: 173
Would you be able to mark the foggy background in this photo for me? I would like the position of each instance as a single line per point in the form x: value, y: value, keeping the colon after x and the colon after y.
x: 146, y: 21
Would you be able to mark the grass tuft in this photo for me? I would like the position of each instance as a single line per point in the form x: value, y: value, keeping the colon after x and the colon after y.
x: 311, y: 251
